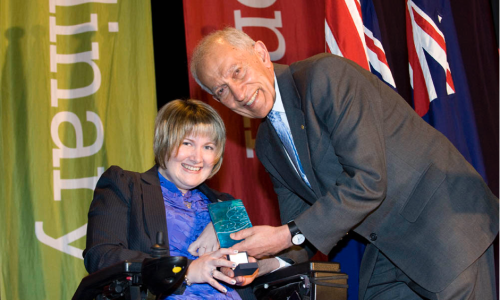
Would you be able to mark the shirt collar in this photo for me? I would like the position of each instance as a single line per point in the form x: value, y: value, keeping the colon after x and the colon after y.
x: 278, y: 103
x: 164, y: 182
x: 170, y: 186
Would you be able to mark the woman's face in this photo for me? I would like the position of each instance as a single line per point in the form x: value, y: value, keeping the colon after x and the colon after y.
x: 193, y: 163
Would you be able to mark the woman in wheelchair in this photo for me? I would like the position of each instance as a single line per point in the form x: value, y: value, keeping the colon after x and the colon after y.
x: 129, y: 208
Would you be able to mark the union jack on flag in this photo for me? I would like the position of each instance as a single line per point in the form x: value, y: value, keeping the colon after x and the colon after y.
x: 424, y: 34
x: 352, y: 31
x: 440, y: 90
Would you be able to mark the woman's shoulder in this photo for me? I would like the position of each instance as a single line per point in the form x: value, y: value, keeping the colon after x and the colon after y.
x: 117, y: 174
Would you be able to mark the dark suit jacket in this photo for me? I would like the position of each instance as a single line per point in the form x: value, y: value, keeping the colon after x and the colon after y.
x: 126, y: 213
x: 377, y: 168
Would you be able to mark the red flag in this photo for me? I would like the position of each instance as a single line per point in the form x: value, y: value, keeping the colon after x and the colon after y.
x: 352, y: 31
x: 289, y: 36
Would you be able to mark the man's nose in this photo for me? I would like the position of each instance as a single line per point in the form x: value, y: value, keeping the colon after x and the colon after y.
x: 239, y: 91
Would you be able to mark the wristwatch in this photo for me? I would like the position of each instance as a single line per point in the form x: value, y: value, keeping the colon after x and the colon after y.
x: 297, y: 237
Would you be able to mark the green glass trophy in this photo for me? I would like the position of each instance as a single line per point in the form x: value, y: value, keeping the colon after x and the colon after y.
x: 228, y: 217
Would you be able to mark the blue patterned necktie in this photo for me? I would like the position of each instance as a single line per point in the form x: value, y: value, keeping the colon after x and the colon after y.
x: 287, y: 141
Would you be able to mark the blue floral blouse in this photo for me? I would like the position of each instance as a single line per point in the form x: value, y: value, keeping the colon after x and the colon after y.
x: 184, y: 225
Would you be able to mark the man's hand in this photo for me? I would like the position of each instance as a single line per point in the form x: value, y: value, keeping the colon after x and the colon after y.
x: 260, y: 241
x: 205, y: 243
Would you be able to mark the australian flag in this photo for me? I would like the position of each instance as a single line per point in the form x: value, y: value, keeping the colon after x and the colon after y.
x: 440, y: 92
x: 352, y: 31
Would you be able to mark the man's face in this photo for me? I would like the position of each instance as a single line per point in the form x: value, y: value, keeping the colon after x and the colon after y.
x: 242, y: 80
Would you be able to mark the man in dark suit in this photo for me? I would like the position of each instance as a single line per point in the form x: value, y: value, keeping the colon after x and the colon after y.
x: 345, y: 152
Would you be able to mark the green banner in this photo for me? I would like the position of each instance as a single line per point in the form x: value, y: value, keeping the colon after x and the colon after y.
x: 77, y: 94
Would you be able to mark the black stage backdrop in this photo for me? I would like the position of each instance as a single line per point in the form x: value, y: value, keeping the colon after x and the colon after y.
x: 477, y: 29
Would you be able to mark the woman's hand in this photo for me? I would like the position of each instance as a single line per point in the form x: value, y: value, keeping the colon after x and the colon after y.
x: 241, y: 280
x: 205, y: 243
x: 204, y: 269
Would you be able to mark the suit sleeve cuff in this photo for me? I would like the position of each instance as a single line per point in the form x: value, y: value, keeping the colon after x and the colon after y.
x: 283, y: 264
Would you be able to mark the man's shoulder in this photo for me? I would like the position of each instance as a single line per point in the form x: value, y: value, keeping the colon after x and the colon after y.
x: 324, y: 65
x: 323, y: 56
x: 313, y: 62
x: 327, y: 69
x: 319, y: 60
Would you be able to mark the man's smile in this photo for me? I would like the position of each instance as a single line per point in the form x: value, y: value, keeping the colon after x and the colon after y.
x: 252, y: 100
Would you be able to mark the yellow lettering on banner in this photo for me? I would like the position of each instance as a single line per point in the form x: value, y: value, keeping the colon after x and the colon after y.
x: 83, y: 57
x: 63, y: 243
x: 73, y: 184
x: 62, y: 151
x: 56, y: 30
x: 257, y: 3
x: 54, y: 3
x: 272, y: 24
x: 249, y: 141
x: 80, y: 151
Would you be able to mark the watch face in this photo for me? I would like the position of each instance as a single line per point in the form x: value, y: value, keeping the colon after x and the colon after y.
x: 298, y: 239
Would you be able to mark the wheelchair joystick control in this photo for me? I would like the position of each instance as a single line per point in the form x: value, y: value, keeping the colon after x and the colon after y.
x: 158, y: 250
x: 162, y: 273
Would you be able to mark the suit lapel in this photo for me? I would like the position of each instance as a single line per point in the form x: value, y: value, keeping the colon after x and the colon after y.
x: 295, y: 115
x: 281, y: 167
x: 154, y: 208
x: 208, y: 192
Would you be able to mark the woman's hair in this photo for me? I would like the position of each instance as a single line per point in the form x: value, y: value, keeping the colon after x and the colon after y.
x: 181, y: 118
x: 232, y: 36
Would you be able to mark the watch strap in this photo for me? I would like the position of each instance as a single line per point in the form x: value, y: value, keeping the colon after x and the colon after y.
x: 293, y: 228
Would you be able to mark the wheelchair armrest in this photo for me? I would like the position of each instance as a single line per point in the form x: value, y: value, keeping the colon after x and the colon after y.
x: 317, y: 280
x: 93, y: 284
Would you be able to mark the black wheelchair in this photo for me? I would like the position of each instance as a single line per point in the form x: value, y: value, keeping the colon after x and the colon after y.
x: 161, y: 275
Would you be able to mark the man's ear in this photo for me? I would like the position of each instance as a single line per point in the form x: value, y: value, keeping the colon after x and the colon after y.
x: 263, y: 54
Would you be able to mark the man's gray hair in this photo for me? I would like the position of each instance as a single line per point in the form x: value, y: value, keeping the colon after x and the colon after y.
x: 232, y: 36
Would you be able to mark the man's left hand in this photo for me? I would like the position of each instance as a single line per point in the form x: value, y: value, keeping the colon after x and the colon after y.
x: 260, y: 241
